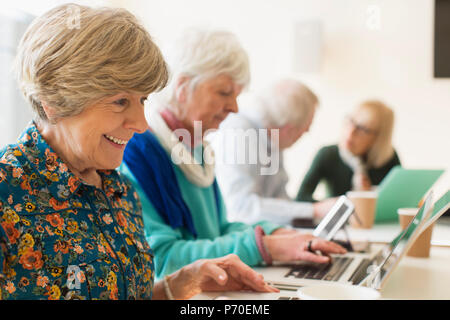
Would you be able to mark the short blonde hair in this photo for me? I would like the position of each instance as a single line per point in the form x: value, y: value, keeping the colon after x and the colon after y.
x: 286, y: 101
x: 201, y: 54
x: 70, y: 66
x: 382, y: 149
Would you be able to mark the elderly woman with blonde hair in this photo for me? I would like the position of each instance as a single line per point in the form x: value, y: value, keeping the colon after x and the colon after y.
x: 184, y: 214
x: 363, y: 157
x: 70, y: 225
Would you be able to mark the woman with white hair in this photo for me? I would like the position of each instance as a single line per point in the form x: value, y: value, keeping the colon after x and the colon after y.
x: 184, y: 213
x: 278, y: 115
x: 363, y: 157
x: 70, y: 225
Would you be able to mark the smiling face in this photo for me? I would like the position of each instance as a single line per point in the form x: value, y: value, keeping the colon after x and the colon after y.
x: 210, y: 102
x: 96, y: 138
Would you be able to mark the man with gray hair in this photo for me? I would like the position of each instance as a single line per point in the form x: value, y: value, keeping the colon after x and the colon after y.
x: 249, y: 164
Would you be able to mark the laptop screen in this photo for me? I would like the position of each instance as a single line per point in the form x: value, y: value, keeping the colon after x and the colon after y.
x: 395, y: 250
x: 440, y: 204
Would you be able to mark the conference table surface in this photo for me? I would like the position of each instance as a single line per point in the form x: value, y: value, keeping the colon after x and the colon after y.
x: 413, y: 279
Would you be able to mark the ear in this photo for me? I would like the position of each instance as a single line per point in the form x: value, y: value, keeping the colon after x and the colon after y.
x: 49, y: 111
x: 181, y: 89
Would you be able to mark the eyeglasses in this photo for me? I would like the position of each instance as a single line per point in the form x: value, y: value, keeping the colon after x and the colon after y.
x: 361, y: 128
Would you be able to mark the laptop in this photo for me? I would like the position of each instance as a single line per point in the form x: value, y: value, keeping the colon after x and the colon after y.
x: 441, y: 211
x: 368, y: 269
x: 335, y: 219
x: 402, y: 188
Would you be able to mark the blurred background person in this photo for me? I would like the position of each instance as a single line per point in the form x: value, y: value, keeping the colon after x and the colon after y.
x: 185, y: 217
x: 278, y: 118
x: 361, y: 160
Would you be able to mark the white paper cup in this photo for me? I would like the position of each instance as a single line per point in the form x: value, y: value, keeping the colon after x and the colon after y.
x: 337, y: 291
x: 407, y: 211
x: 362, y: 194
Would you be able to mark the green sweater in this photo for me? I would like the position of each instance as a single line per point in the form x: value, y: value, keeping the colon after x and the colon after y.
x: 329, y: 167
x: 216, y: 237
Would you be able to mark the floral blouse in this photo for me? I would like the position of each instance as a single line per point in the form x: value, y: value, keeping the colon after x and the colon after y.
x: 63, y: 239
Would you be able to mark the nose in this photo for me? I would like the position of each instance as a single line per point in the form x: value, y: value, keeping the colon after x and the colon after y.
x: 233, y: 106
x: 136, y: 119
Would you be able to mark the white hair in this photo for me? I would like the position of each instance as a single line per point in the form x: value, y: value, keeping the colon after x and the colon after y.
x: 287, y: 101
x: 69, y: 68
x: 199, y: 55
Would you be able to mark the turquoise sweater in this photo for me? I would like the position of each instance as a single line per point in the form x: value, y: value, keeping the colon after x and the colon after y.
x: 217, y: 237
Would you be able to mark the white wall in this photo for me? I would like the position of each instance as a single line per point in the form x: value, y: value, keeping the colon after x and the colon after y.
x: 15, y: 113
x: 393, y: 62
x: 15, y: 17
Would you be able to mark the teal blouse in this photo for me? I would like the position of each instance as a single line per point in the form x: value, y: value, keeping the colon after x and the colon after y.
x: 217, y: 237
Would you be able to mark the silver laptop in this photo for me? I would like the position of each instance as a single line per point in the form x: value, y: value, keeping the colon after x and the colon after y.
x: 441, y: 211
x: 369, y: 269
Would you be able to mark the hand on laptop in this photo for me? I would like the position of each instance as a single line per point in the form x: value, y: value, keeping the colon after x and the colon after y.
x: 227, y: 273
x: 294, y: 247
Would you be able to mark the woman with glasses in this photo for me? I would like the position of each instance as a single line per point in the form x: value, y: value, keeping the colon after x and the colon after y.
x: 362, y: 158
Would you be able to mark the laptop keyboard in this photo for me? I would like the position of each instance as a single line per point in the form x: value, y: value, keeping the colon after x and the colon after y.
x: 360, y: 272
x: 330, y: 272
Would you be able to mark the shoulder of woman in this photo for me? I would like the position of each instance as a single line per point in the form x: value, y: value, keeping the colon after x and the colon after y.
x: 395, y: 158
x: 328, y: 152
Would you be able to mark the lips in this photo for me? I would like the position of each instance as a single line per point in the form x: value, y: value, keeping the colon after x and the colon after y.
x: 116, y: 140
x: 221, y: 117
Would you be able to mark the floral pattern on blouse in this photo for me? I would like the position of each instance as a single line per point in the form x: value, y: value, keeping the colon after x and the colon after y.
x: 63, y: 239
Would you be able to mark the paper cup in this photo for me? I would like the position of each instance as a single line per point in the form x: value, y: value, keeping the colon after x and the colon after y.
x: 421, y: 247
x: 337, y: 291
x: 365, y: 203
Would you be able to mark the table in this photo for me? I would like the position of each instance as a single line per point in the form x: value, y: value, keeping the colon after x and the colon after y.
x: 421, y: 278
x: 384, y: 233
x: 414, y: 278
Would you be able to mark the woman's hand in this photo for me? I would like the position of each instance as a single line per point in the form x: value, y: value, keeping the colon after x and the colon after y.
x: 366, y: 183
x: 227, y: 273
x: 362, y: 182
x: 294, y: 247
x: 283, y: 231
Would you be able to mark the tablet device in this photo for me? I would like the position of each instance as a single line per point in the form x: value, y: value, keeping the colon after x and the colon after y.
x: 402, y: 188
x: 334, y: 219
